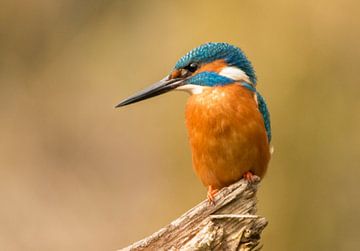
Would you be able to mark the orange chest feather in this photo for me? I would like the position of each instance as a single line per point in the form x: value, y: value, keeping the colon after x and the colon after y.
x: 220, y: 108
x: 227, y: 134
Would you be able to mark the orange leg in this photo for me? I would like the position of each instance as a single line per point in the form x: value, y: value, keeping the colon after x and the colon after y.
x: 211, y: 194
x: 249, y: 176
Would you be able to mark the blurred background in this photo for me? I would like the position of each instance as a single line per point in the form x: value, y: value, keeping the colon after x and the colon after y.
x: 76, y: 174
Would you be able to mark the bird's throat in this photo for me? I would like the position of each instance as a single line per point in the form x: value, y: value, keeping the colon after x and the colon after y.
x: 192, y: 89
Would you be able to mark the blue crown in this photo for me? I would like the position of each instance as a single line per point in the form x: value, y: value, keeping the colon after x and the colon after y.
x: 209, y: 52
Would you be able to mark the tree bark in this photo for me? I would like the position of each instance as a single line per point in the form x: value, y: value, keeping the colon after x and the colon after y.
x: 230, y: 224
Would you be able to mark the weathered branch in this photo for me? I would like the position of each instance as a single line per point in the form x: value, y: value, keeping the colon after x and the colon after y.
x: 230, y: 224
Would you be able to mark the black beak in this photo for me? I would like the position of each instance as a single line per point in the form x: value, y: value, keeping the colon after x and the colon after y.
x: 156, y: 89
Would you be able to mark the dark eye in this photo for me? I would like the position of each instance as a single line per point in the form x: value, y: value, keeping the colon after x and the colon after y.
x: 192, y: 67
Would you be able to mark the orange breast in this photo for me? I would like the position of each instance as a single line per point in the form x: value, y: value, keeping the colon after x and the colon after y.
x: 227, y: 135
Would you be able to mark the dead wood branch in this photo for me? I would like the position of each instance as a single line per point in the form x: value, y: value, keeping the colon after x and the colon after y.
x: 230, y: 224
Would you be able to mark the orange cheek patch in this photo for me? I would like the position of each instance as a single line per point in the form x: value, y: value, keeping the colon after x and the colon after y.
x: 175, y: 74
x: 215, y: 66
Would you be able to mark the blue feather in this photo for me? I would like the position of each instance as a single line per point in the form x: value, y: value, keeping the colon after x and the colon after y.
x: 265, y: 113
x: 233, y: 56
x: 209, y: 79
x: 248, y: 86
x: 262, y: 108
x: 209, y: 52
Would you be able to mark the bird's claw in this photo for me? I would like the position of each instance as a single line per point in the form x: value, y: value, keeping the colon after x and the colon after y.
x: 250, y: 177
x: 211, y: 195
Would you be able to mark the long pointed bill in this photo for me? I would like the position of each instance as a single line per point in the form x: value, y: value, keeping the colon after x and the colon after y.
x: 156, y: 89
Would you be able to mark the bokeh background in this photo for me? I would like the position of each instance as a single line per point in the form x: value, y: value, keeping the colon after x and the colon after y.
x: 76, y: 174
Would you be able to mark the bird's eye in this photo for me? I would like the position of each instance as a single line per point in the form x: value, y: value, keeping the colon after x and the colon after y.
x: 192, y: 67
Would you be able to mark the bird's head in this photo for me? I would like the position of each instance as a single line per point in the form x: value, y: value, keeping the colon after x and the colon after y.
x: 209, y: 65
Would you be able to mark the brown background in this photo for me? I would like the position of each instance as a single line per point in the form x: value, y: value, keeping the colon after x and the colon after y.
x: 76, y: 174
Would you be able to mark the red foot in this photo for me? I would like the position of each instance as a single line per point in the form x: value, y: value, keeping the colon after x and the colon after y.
x: 249, y: 176
x: 211, y: 195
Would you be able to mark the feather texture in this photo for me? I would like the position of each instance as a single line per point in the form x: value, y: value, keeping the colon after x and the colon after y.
x: 227, y: 135
x: 210, y: 52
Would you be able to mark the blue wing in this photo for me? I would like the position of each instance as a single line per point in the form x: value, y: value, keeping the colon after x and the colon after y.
x: 265, y: 113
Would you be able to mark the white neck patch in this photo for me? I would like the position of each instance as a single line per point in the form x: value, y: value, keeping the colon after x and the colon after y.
x: 234, y: 73
x: 192, y: 89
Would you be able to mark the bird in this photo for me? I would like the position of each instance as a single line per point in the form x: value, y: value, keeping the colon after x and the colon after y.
x: 227, y: 119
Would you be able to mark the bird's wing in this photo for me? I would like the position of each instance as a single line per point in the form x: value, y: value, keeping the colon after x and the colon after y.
x: 265, y: 113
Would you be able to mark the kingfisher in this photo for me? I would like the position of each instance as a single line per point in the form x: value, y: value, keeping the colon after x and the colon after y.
x: 227, y: 119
